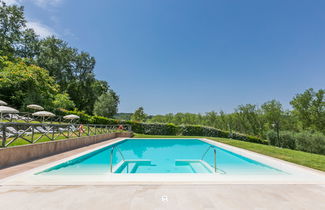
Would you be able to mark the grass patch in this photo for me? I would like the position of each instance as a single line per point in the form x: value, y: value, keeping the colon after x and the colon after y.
x: 315, y: 161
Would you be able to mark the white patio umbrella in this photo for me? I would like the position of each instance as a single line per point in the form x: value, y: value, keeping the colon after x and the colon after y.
x: 71, y: 117
x: 7, y: 110
x: 2, y: 103
x: 35, y: 107
x: 43, y: 114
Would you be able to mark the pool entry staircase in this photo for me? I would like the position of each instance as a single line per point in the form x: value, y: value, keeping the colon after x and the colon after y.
x: 194, y: 165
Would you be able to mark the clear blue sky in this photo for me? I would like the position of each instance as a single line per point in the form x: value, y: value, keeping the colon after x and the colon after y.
x: 193, y: 55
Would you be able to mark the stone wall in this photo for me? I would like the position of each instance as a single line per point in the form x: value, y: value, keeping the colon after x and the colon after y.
x: 24, y: 153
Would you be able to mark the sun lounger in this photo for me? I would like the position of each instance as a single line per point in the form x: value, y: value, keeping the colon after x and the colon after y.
x: 19, y: 132
x: 42, y: 130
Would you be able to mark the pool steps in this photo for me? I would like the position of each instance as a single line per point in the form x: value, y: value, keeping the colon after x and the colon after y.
x: 130, y: 166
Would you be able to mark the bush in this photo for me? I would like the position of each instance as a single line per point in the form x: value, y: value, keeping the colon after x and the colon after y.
x: 287, y: 139
x: 311, y: 142
x: 167, y: 129
x: 243, y: 137
x: 272, y: 137
x: 304, y: 141
x: 103, y: 120
x: 196, y: 130
x: 159, y: 129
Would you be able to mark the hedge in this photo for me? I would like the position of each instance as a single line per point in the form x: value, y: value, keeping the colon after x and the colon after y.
x: 304, y: 141
x: 167, y: 129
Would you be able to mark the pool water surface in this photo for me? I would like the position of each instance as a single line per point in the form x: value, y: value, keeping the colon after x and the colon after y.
x: 133, y: 156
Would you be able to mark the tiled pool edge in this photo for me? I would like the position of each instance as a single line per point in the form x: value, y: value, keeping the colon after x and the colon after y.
x: 162, y: 179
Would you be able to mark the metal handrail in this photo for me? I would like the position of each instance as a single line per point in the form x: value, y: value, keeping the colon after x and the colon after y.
x: 111, y: 157
x: 215, y: 160
x: 204, y: 154
x: 214, y: 155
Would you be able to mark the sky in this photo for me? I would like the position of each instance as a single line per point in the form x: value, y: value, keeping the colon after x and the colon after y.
x: 193, y: 56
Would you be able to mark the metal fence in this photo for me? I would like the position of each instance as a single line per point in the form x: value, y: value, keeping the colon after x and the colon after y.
x: 11, y: 132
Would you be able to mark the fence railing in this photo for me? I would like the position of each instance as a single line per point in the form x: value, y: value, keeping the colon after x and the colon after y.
x: 28, y: 117
x: 11, y: 132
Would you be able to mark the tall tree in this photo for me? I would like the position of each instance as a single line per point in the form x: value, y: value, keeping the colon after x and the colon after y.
x: 23, y: 84
x: 12, y: 23
x: 248, y: 119
x: 273, y: 113
x: 71, y: 69
x: 309, y: 107
x: 29, y: 46
x: 107, y: 104
x: 139, y: 115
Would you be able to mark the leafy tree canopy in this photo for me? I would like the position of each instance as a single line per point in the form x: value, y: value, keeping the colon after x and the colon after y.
x: 22, y: 84
x: 71, y: 70
x: 139, y: 115
x: 107, y: 104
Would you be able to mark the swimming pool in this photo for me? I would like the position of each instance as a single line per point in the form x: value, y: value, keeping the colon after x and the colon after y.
x: 145, y: 156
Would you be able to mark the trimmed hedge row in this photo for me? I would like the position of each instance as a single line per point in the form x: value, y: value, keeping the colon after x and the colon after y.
x: 167, y: 129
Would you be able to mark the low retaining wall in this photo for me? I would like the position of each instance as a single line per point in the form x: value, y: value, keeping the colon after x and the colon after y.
x: 19, y: 154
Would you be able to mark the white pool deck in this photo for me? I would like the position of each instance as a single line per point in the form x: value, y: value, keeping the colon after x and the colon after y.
x: 303, y: 189
x: 296, y: 174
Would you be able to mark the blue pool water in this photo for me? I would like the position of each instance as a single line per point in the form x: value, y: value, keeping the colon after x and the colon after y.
x: 161, y: 156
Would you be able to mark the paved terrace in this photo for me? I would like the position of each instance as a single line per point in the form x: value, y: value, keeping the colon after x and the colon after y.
x: 142, y: 197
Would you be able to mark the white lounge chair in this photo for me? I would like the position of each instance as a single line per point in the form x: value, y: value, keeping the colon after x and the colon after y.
x: 15, y: 132
x: 42, y: 130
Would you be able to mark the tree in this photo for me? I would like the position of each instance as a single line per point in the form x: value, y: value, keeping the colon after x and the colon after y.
x: 139, y: 115
x: 273, y: 113
x: 248, y: 119
x: 23, y: 84
x: 107, y: 104
x: 29, y: 45
x: 12, y: 22
x: 56, y: 56
x: 62, y: 101
x: 309, y: 107
x: 71, y: 69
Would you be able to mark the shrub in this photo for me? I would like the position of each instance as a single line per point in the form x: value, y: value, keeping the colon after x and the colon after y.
x: 103, y: 120
x: 286, y: 139
x: 304, y: 141
x: 159, y: 129
x: 243, y: 137
x: 167, y: 129
x: 197, y: 130
x: 311, y: 142
x: 272, y: 137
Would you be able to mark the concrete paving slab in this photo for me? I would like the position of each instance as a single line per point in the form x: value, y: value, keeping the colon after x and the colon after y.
x: 153, y: 197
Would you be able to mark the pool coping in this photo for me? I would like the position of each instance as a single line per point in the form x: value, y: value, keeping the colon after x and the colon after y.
x: 299, y: 174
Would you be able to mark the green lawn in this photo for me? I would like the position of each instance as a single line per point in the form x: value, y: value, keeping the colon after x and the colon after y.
x: 302, y: 158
